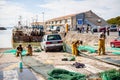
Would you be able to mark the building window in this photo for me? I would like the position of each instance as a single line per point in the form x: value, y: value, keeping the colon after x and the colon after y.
x: 69, y: 21
x: 58, y: 22
x: 54, y: 22
x: 63, y: 22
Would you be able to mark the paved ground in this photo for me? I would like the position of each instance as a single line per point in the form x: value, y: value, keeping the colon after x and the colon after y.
x: 9, y: 69
x: 55, y: 58
x: 17, y: 74
x: 9, y: 64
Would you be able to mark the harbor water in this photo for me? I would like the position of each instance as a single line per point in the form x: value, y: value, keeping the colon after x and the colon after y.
x: 6, y: 38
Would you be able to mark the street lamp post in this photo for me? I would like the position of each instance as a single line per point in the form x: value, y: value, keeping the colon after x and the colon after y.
x: 20, y: 22
x: 36, y: 18
x: 43, y: 18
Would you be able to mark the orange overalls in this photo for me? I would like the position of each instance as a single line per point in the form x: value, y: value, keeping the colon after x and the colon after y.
x: 101, y: 45
x: 29, y: 51
x: 66, y: 28
x: 74, y: 48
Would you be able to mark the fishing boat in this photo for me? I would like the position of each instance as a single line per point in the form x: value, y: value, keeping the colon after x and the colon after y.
x: 2, y: 28
x: 25, y: 33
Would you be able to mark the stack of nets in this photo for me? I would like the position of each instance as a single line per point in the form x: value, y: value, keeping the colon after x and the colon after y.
x: 13, y: 51
x: 87, y: 48
x: 117, y: 53
x: 61, y: 74
x: 110, y: 75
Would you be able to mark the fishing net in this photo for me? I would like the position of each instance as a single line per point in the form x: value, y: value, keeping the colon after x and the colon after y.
x: 37, y: 50
x: 87, y: 48
x: 117, y: 53
x: 116, y: 49
x: 13, y: 51
x: 110, y: 75
x: 68, y: 49
x: 111, y: 60
x: 61, y: 74
x: 49, y: 72
x: 72, y: 58
x: 37, y: 66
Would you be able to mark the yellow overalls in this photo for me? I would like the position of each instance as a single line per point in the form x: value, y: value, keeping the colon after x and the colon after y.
x: 29, y: 51
x: 101, y: 45
x: 66, y: 28
x: 74, y: 48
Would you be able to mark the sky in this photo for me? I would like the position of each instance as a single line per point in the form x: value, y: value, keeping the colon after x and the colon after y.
x: 42, y: 10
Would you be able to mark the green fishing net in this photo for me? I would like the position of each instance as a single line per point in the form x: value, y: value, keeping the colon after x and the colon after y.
x: 61, y: 74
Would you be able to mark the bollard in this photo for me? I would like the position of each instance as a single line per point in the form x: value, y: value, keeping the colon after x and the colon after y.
x: 21, y: 70
x: 20, y: 65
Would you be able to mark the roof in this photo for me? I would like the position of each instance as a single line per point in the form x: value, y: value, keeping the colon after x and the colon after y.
x: 66, y: 16
x: 89, y: 15
x: 93, y: 18
x: 37, y: 23
x: 62, y: 17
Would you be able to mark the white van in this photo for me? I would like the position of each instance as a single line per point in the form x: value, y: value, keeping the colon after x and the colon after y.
x: 52, y: 42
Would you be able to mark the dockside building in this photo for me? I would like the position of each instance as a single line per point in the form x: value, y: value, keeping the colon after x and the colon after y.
x: 76, y: 20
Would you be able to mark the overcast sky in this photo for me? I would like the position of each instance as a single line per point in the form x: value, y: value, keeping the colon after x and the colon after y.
x: 10, y: 10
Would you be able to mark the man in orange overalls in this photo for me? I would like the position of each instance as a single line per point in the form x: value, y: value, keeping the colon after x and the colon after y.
x: 66, y: 28
x: 74, y: 47
x: 29, y: 50
x: 101, y: 44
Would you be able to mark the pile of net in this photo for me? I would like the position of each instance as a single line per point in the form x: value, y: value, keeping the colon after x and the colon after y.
x: 117, y: 53
x: 87, y: 48
x: 37, y: 50
x: 13, y: 51
x: 115, y: 49
x: 61, y: 74
x: 110, y: 75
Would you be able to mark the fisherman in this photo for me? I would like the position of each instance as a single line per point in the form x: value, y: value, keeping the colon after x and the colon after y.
x: 19, y: 50
x: 29, y: 50
x: 74, y: 47
x: 87, y: 29
x: 118, y: 31
x: 66, y: 30
x: 108, y: 31
x: 101, y: 43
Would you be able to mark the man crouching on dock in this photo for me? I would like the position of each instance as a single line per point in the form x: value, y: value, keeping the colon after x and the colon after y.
x: 19, y: 50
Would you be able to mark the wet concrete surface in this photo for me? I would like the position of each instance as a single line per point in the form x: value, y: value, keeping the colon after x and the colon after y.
x: 26, y: 74
x: 17, y: 74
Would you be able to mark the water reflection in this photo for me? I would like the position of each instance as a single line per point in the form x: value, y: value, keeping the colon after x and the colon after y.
x: 5, y: 38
